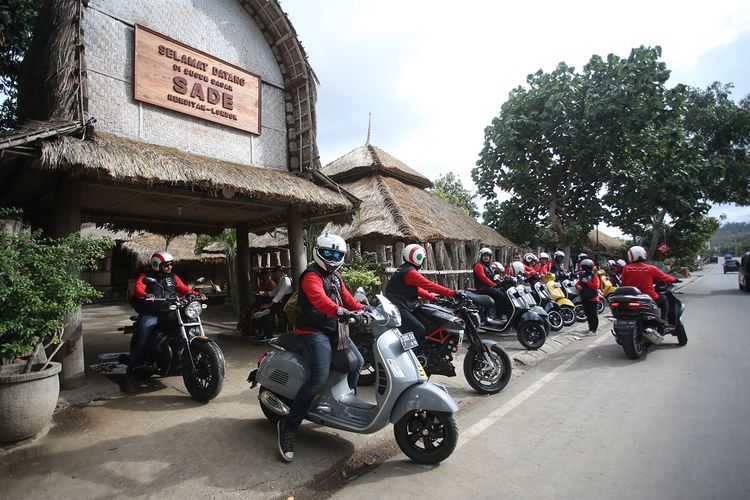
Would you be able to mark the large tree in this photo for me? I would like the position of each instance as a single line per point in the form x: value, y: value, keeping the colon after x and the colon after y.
x: 540, y: 150
x: 450, y: 188
x: 16, y: 26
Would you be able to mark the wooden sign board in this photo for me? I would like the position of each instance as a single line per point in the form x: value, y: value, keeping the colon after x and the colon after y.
x: 172, y: 75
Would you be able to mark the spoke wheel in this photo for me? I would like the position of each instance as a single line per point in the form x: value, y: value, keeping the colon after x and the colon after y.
x: 427, y: 437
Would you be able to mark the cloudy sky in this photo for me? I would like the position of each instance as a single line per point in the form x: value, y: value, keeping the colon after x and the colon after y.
x: 435, y: 73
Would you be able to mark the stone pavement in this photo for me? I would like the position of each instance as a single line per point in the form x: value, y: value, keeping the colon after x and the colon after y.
x: 160, y: 443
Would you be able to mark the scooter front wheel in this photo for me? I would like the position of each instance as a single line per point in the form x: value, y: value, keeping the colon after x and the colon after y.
x: 568, y: 315
x: 555, y: 320
x: 681, y: 334
x: 600, y: 306
x: 532, y: 335
x: 488, y: 377
x: 206, y: 381
x: 427, y: 437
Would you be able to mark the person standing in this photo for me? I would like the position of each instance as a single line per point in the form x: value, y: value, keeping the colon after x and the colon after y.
x: 274, y: 300
x: 588, y: 287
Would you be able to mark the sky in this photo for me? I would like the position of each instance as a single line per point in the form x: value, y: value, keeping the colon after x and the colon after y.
x: 434, y: 74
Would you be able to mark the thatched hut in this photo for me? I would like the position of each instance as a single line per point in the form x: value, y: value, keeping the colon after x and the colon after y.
x: 604, y: 246
x: 178, y: 117
x: 397, y: 209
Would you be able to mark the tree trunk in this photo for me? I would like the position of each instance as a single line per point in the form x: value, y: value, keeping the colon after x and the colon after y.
x: 657, y: 223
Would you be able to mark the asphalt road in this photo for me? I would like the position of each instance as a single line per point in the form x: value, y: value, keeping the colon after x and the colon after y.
x: 589, y: 423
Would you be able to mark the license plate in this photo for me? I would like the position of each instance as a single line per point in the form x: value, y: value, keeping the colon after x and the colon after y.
x: 625, y: 323
x: 408, y: 341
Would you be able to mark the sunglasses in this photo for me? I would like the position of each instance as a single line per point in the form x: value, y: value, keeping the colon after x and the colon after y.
x: 167, y: 264
x: 332, y: 254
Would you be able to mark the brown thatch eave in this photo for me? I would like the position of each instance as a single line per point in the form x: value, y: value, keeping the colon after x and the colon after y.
x: 140, y: 163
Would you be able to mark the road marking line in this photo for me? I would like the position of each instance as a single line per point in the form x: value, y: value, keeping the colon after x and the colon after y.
x: 696, y: 280
x: 479, y: 427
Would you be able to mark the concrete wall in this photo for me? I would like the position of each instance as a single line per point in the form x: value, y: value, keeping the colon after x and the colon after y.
x: 221, y: 28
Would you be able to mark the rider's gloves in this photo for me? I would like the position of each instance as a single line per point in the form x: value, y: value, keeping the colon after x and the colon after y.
x: 343, y: 314
x: 459, y: 295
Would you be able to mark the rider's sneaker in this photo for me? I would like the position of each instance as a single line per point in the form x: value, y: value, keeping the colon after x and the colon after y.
x: 285, y: 440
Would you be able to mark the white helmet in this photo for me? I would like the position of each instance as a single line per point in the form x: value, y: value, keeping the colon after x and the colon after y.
x: 530, y: 258
x: 414, y: 254
x: 330, y: 250
x: 160, y: 258
x: 559, y: 253
x: 499, y: 268
x: 636, y: 253
x: 611, y: 263
x: 543, y: 255
x: 587, y: 264
x: 485, y: 251
x: 621, y: 263
x: 582, y: 256
x: 517, y: 268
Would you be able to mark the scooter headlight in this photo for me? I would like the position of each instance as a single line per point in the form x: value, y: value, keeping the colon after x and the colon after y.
x: 390, y: 309
x: 193, y: 309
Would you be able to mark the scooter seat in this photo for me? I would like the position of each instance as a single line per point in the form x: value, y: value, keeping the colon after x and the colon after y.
x: 286, y: 341
x: 627, y: 290
x: 353, y: 401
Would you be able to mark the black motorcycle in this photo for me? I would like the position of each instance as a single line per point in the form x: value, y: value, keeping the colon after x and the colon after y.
x: 638, y: 322
x: 487, y: 366
x: 179, y: 345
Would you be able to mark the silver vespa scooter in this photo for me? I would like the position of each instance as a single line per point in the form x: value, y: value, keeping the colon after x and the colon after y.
x: 422, y: 412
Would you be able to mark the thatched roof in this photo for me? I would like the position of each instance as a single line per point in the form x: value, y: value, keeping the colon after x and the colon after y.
x: 143, y: 245
x: 119, y: 159
x: 369, y: 160
x: 273, y: 239
x: 393, y: 210
x: 607, y: 243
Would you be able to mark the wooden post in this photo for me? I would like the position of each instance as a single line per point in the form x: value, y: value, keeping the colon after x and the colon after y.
x: 276, y: 258
x: 398, y: 254
x: 389, y: 255
x: 380, y: 249
x: 442, y: 260
x: 297, y: 251
x: 358, y: 248
x: 285, y: 261
x: 462, y: 256
x: 430, y: 256
x: 243, y: 265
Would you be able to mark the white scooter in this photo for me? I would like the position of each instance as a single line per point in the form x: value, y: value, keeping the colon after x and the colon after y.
x: 422, y: 412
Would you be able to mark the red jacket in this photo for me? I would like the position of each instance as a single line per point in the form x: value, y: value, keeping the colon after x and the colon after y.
x: 139, y: 290
x: 542, y: 268
x: 415, y: 278
x: 312, y: 284
x: 593, y: 283
x: 480, y: 275
x: 642, y: 276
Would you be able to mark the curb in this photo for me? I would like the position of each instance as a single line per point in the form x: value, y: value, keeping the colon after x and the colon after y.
x: 554, y: 344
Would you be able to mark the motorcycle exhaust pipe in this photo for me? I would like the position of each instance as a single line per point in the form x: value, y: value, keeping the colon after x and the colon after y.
x: 273, y: 403
x: 652, y: 336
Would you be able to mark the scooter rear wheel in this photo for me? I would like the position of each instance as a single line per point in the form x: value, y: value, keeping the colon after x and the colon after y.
x: 427, y: 437
x: 600, y: 306
x: 488, y: 377
x: 580, y: 314
x: 634, y: 346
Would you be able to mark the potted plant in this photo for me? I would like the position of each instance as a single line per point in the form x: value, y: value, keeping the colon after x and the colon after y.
x: 39, y: 287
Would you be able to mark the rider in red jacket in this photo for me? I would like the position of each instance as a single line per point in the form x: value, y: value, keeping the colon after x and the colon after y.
x: 642, y: 276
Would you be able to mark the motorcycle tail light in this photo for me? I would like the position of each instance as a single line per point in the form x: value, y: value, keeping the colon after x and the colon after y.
x: 262, y: 357
x: 614, y: 304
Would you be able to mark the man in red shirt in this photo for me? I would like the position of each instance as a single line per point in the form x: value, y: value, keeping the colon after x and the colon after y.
x: 321, y: 328
x: 544, y: 264
x: 407, y: 285
x: 167, y: 283
x: 484, y: 281
x: 642, y: 276
x: 588, y: 287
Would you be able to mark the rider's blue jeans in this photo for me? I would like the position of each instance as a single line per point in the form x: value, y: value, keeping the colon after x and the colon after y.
x: 146, y: 325
x: 316, y: 348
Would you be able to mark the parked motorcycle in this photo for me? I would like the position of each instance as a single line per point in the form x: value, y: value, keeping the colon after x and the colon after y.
x: 422, y: 413
x: 568, y: 285
x: 543, y: 299
x: 529, y: 320
x: 179, y: 345
x: 638, y: 322
x: 567, y: 308
x: 487, y: 366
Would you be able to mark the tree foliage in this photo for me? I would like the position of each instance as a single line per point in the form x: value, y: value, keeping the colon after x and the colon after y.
x: 613, y: 143
x: 16, y: 26
x: 450, y: 188
x: 733, y: 237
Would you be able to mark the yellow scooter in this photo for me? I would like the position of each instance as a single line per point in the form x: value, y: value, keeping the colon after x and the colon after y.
x: 605, y: 287
x: 567, y: 308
